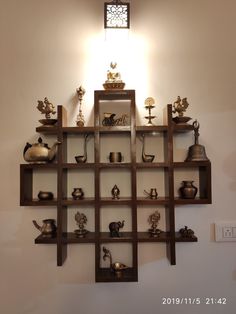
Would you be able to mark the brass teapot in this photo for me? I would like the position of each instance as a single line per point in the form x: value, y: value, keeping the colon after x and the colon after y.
x: 39, y: 153
x: 48, y: 228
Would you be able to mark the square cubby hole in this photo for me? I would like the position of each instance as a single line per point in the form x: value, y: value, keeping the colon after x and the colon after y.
x: 75, y: 147
x: 111, y: 213
x: 80, y: 178
x: 120, y: 177
x: 148, y: 179
x: 120, y: 252
x: 154, y: 145
x: 44, y: 180
x: 89, y: 213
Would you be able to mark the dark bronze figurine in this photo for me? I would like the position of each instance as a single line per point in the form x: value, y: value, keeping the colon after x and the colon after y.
x: 115, y: 192
x: 186, y: 232
x: 114, y: 228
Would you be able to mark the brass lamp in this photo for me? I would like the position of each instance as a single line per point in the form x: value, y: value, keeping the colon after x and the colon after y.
x: 116, y: 14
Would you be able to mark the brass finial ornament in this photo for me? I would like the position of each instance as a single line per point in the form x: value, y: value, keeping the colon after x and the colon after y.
x: 113, y: 81
x: 81, y: 220
x: 149, y: 105
x: 196, y: 152
x: 153, y: 220
x: 80, y: 117
x: 179, y: 107
x: 47, y: 108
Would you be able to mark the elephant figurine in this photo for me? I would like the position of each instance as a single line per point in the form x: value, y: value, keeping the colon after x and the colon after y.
x: 114, y: 228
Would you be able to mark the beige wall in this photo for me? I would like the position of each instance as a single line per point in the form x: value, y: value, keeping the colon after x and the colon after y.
x: 181, y: 47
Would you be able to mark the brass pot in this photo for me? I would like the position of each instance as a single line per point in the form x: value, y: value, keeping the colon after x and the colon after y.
x: 115, y: 157
x: 77, y: 194
x: 188, y: 190
x: 43, y: 196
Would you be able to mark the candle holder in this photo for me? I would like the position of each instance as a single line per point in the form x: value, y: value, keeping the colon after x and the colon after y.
x: 149, y: 105
x: 80, y: 117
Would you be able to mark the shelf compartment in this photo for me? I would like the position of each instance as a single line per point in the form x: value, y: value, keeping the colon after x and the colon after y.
x: 45, y: 240
x: 106, y: 275
x: 146, y: 237
x: 124, y: 237
x: 179, y: 238
x: 151, y: 129
x: 148, y: 201
x: 71, y: 237
x: 72, y: 202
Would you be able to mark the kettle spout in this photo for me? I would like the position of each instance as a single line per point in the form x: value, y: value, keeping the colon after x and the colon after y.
x: 53, y: 151
x: 37, y: 226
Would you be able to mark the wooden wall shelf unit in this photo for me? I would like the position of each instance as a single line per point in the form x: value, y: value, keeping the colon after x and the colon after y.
x: 61, y: 167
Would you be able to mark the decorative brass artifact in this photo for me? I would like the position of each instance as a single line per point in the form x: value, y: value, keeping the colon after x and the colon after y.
x: 188, y: 190
x: 83, y: 158
x: 45, y: 196
x: 80, y: 117
x: 153, y: 220
x: 113, y: 79
x: 145, y: 157
x: 115, y: 192
x: 110, y: 121
x: 39, y: 153
x: 77, y: 194
x: 180, y: 106
x: 47, y: 108
x: 48, y: 228
x: 149, y: 105
x: 114, y: 228
x: 116, y: 267
x: 186, y: 232
x: 196, y: 152
x: 115, y: 157
x: 152, y: 194
x: 81, y: 220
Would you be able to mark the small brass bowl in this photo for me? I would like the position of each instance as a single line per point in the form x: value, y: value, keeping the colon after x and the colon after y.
x: 45, y: 196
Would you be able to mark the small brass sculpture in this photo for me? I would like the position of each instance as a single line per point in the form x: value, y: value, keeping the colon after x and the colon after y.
x: 152, y: 194
x: 186, y: 232
x: 196, y: 152
x: 113, y: 79
x: 153, y: 220
x: 47, y: 108
x: 114, y: 228
x: 80, y: 117
x: 110, y: 121
x: 115, y: 192
x: 116, y: 267
x: 81, y: 220
x: 180, y: 106
x: 149, y: 105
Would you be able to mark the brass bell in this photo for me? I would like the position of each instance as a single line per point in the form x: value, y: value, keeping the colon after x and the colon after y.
x: 196, y: 152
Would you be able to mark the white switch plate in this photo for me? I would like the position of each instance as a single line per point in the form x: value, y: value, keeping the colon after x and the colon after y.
x: 225, y: 231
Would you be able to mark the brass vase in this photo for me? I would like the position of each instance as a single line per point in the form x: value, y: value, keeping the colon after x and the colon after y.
x: 188, y: 190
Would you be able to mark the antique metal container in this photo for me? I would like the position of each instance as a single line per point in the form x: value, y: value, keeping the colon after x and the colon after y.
x: 188, y: 190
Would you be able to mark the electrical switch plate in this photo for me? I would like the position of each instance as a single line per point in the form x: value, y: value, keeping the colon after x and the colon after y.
x: 225, y: 231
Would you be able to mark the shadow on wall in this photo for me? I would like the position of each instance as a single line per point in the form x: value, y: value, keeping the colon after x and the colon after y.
x: 230, y: 169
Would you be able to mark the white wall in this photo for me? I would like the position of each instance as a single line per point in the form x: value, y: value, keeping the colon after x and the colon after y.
x: 182, y: 47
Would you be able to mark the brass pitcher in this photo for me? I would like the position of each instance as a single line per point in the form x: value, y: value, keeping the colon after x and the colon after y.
x: 48, y: 229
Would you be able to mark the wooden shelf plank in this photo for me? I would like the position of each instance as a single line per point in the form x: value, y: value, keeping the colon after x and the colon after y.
x: 146, y: 237
x: 115, y: 165
x: 45, y: 240
x: 47, y: 130
x: 106, y: 275
x: 78, y: 130
x: 120, y: 201
x: 78, y: 165
x: 187, y: 201
x: 71, y: 237
x: 36, y: 202
x: 104, y: 237
x: 182, y: 127
x: 39, y: 166
x: 148, y: 201
x: 152, y: 165
x: 151, y: 129
x: 72, y: 202
x: 114, y: 129
x: 191, y: 164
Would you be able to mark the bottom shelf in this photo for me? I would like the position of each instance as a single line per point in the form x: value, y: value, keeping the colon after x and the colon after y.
x: 106, y: 275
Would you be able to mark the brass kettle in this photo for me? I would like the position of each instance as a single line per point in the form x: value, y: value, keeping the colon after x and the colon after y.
x: 39, y: 153
x: 48, y: 228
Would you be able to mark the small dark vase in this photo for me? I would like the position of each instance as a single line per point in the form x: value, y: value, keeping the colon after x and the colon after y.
x: 188, y: 190
x: 77, y: 194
